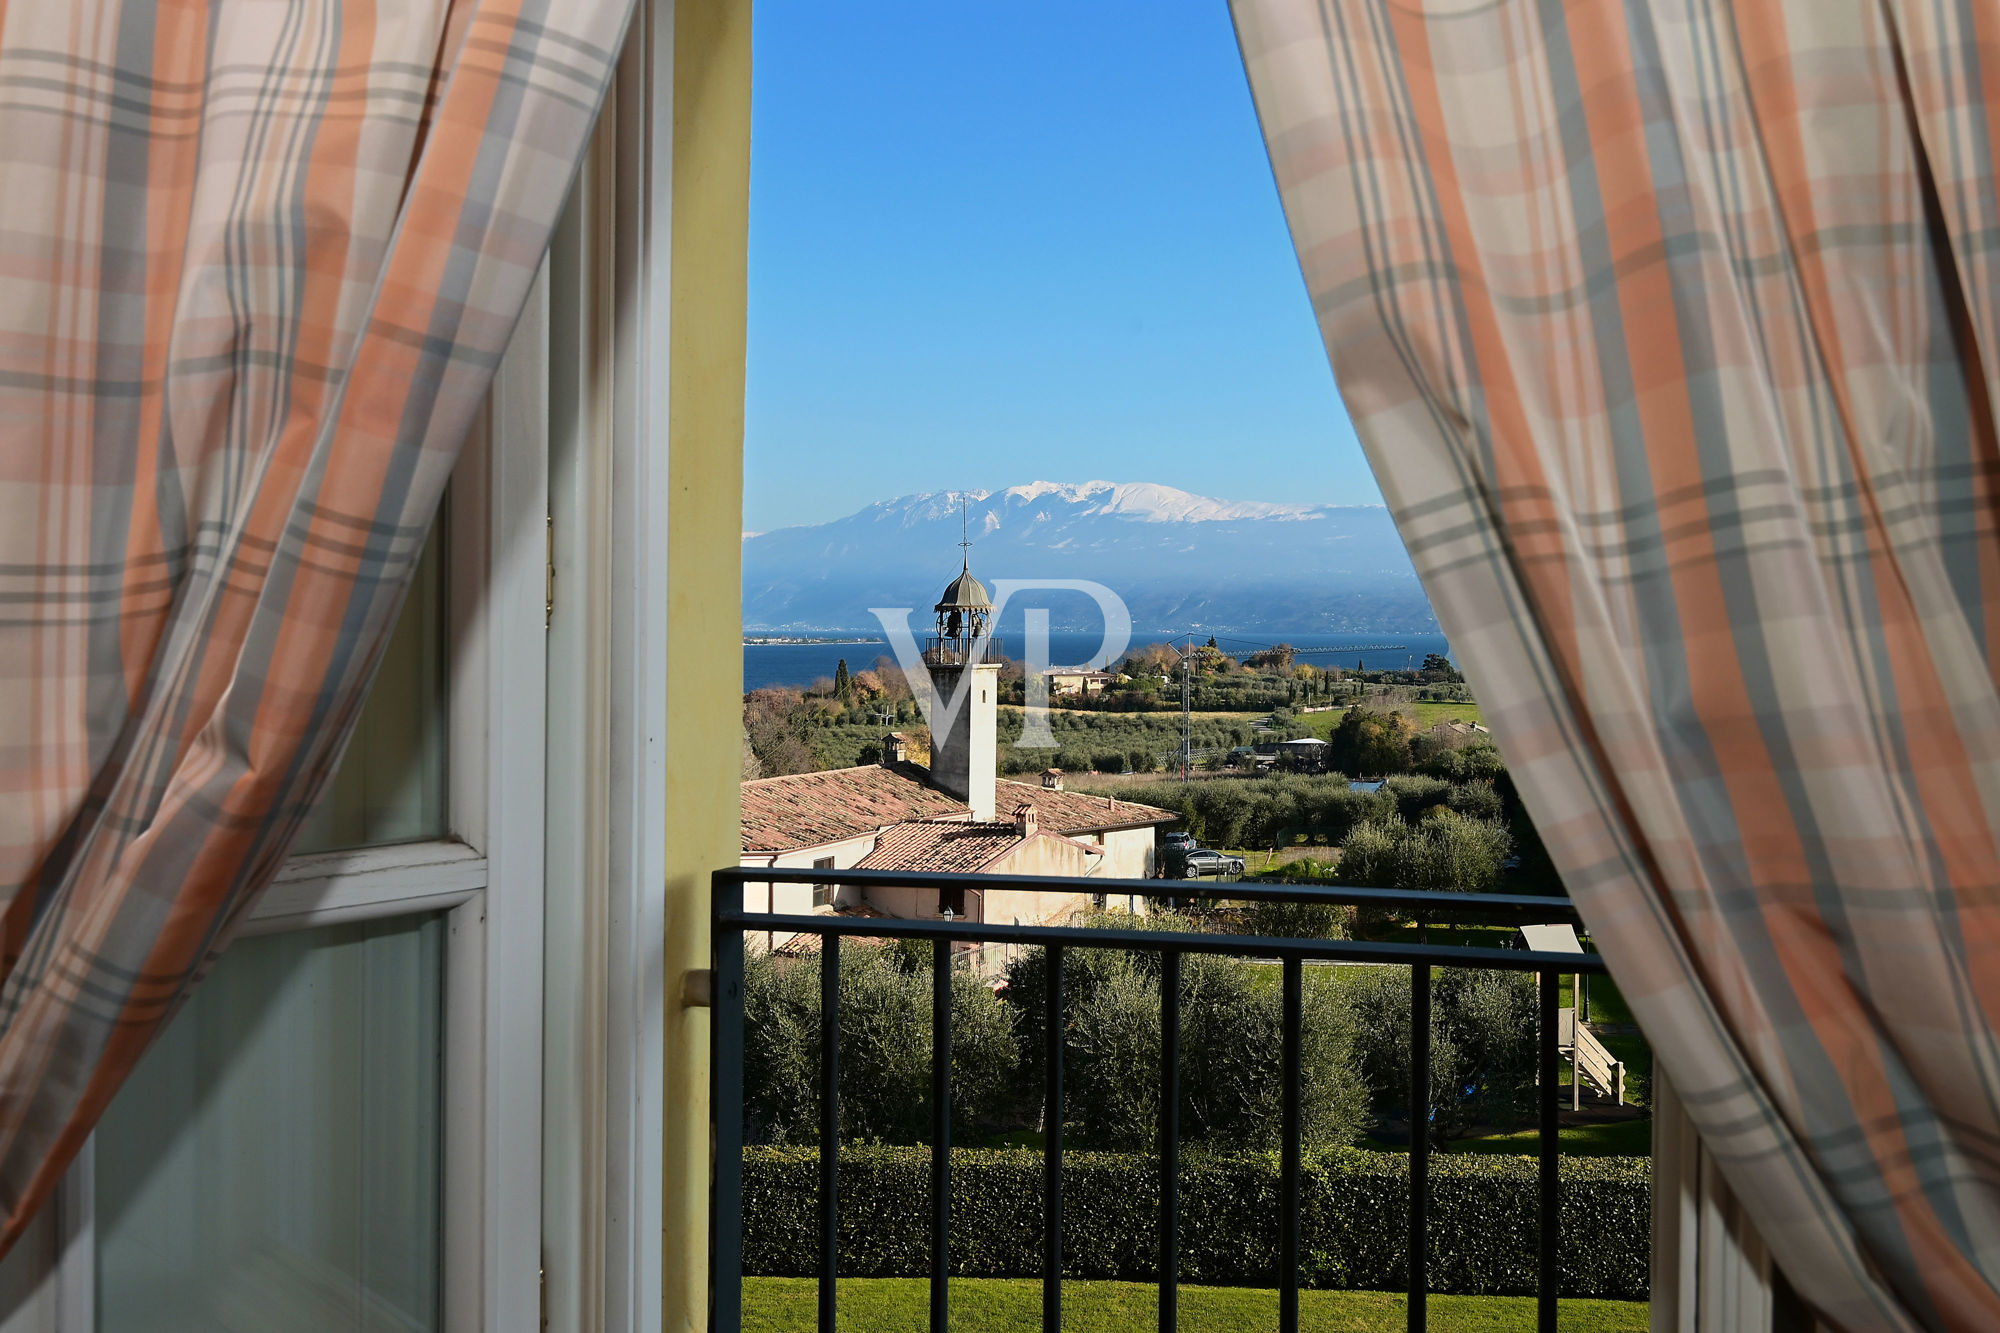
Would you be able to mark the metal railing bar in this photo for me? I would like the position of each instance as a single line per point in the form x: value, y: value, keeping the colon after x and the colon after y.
x: 1420, y: 1147
x: 940, y: 1135
x: 732, y: 923
x: 829, y: 1133
x: 1154, y: 941
x: 725, y: 1238
x: 1538, y: 907
x: 1170, y: 1141
x: 1052, y: 1185
x: 1288, y: 1209
x: 1551, y: 1101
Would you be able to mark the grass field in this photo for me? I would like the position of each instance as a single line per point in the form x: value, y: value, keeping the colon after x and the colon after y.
x: 1428, y: 714
x: 1620, y: 1138
x: 1005, y: 1305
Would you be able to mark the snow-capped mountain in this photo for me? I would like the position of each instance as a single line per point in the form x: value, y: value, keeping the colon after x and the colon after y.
x: 1179, y: 560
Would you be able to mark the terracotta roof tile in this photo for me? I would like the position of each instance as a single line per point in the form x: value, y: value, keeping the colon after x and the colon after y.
x: 940, y: 844
x: 1075, y: 811
x: 808, y: 809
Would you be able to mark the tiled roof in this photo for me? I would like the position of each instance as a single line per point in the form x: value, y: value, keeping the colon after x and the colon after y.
x: 1075, y: 811
x: 940, y: 844
x: 808, y: 809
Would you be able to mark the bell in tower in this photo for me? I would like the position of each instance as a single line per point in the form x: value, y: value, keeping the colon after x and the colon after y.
x: 963, y: 614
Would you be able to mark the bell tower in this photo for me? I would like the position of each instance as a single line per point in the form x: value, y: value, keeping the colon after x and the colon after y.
x: 965, y: 740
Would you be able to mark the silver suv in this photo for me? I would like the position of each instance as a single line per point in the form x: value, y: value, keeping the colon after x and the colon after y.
x: 1202, y: 861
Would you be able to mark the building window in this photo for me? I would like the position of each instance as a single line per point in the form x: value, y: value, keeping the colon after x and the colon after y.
x: 952, y: 901
x: 823, y: 893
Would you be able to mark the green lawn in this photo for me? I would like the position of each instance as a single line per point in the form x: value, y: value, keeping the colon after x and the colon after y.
x: 1428, y: 714
x: 1625, y: 1138
x: 1003, y: 1305
x: 1620, y: 1138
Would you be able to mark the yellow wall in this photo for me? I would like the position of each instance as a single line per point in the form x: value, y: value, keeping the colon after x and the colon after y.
x: 710, y: 222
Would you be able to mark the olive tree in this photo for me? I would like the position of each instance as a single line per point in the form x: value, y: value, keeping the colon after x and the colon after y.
x: 1483, y: 1032
x: 885, y: 1048
x: 1231, y: 1043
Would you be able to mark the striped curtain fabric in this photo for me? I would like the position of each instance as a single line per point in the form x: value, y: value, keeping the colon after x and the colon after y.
x: 1672, y: 330
x: 258, y: 261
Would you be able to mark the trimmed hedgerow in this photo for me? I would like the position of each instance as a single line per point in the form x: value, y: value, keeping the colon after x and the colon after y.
x: 1482, y: 1218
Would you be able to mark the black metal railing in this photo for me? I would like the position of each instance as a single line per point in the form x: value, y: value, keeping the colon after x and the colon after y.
x: 732, y: 922
x: 964, y: 650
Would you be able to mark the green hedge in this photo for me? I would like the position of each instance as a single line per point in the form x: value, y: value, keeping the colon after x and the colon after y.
x: 1482, y: 1218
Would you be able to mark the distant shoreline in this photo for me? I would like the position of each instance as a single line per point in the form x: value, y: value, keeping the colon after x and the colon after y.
x: 782, y: 640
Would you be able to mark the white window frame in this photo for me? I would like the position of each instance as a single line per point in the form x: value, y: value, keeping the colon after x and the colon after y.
x: 487, y: 878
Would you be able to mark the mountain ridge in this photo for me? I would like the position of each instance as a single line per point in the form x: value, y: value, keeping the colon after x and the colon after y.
x: 1175, y: 557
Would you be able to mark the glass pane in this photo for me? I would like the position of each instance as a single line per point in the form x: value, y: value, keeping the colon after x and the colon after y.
x: 274, y: 1163
x: 390, y: 785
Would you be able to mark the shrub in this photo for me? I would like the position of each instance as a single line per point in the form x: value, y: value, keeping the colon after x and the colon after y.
x: 1483, y: 1028
x: 1368, y: 856
x: 885, y: 1047
x: 1444, y: 852
x: 1473, y: 763
x: 1476, y: 800
x: 1303, y: 921
x: 1415, y: 794
x: 1263, y: 812
x: 1447, y: 853
x: 1231, y: 1043
x: 1112, y: 1061
x: 1231, y: 1040
x: 1483, y: 1233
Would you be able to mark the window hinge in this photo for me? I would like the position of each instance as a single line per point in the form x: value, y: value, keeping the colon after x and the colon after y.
x: 549, y: 587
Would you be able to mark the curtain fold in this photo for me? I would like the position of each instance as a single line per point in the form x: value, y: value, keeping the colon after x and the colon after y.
x: 258, y: 262
x: 1670, y: 331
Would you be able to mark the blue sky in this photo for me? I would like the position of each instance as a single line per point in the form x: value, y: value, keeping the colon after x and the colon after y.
x: 997, y: 243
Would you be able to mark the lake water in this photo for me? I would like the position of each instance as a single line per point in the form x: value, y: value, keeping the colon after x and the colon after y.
x: 800, y: 664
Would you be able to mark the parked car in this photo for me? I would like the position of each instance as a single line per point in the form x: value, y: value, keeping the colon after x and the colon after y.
x: 1203, y: 861
x: 1177, y: 841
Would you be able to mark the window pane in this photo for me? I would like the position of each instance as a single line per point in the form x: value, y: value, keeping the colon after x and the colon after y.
x: 390, y: 785
x: 274, y: 1163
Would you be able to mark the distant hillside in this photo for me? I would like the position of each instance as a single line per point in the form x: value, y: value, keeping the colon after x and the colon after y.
x: 1179, y: 560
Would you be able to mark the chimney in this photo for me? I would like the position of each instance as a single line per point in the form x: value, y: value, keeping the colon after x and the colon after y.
x: 1025, y: 823
x: 1052, y: 779
x: 892, y: 750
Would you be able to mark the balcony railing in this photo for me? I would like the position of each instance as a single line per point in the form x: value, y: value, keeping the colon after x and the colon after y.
x: 963, y: 650
x: 732, y: 921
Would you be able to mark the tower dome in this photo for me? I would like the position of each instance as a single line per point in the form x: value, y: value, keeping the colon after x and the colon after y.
x: 963, y: 611
x: 964, y: 593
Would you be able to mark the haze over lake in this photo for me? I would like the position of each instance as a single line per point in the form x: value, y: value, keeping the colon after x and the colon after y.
x: 800, y: 664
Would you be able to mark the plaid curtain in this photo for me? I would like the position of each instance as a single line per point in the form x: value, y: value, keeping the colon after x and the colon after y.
x: 1671, y: 330
x: 258, y: 261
